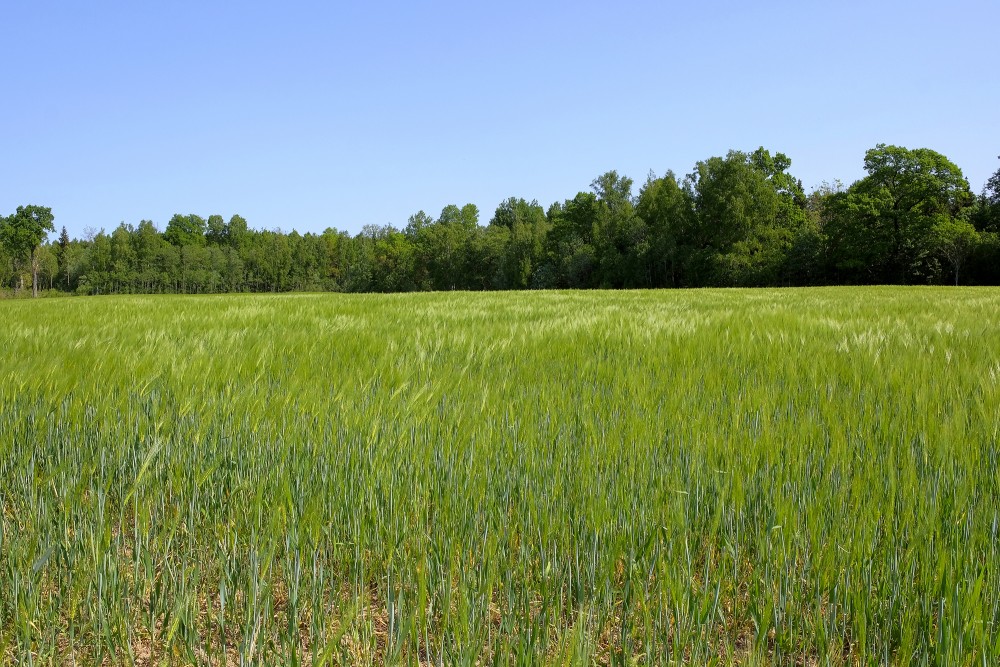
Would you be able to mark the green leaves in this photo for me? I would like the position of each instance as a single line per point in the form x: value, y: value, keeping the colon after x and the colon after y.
x: 186, y: 230
x: 741, y: 219
x: 22, y: 233
x: 956, y: 240
x: 881, y: 228
x: 748, y: 211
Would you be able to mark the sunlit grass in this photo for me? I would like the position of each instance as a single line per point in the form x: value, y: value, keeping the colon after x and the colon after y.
x: 745, y: 477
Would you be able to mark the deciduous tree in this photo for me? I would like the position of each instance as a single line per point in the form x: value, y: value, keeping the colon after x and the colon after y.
x: 956, y: 241
x: 22, y: 233
x: 881, y: 228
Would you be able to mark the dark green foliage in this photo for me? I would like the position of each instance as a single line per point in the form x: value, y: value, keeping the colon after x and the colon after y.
x: 669, y: 214
x: 749, y: 212
x: 22, y: 233
x: 986, y: 216
x: 737, y: 220
x: 882, y: 228
x: 184, y: 230
x: 62, y: 255
x: 521, y: 249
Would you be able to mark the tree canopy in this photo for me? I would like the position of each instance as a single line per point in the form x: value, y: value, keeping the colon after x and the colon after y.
x: 882, y: 227
x: 22, y: 233
x: 741, y: 219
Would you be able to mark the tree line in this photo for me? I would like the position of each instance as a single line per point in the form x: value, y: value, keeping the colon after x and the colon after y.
x: 737, y: 220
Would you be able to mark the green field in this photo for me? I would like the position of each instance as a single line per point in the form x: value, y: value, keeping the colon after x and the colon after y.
x: 739, y: 476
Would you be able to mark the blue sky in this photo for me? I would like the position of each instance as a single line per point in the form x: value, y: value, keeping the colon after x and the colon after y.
x: 311, y: 115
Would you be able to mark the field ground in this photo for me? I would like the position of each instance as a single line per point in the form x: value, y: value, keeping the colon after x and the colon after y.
x: 802, y: 477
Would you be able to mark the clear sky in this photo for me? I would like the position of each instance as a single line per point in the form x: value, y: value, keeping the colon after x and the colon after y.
x: 310, y: 115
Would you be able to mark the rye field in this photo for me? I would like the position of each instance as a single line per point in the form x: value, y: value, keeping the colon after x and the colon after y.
x: 752, y: 477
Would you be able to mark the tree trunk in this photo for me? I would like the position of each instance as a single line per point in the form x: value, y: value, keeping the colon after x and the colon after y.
x: 34, y: 276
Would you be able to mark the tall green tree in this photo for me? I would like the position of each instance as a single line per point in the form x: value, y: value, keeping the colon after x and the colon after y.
x: 621, y: 241
x: 524, y: 245
x: 392, y: 266
x: 47, y: 263
x: 749, y: 210
x: 62, y: 256
x: 216, y: 231
x: 984, y: 264
x: 186, y: 230
x: 956, y: 240
x: 100, y: 265
x: 987, y: 217
x: 570, y: 256
x: 442, y: 246
x: 123, y: 274
x: 467, y: 216
x: 668, y: 212
x: 882, y: 228
x: 237, y: 231
x: 486, y: 258
x: 147, y: 241
x: 23, y: 232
